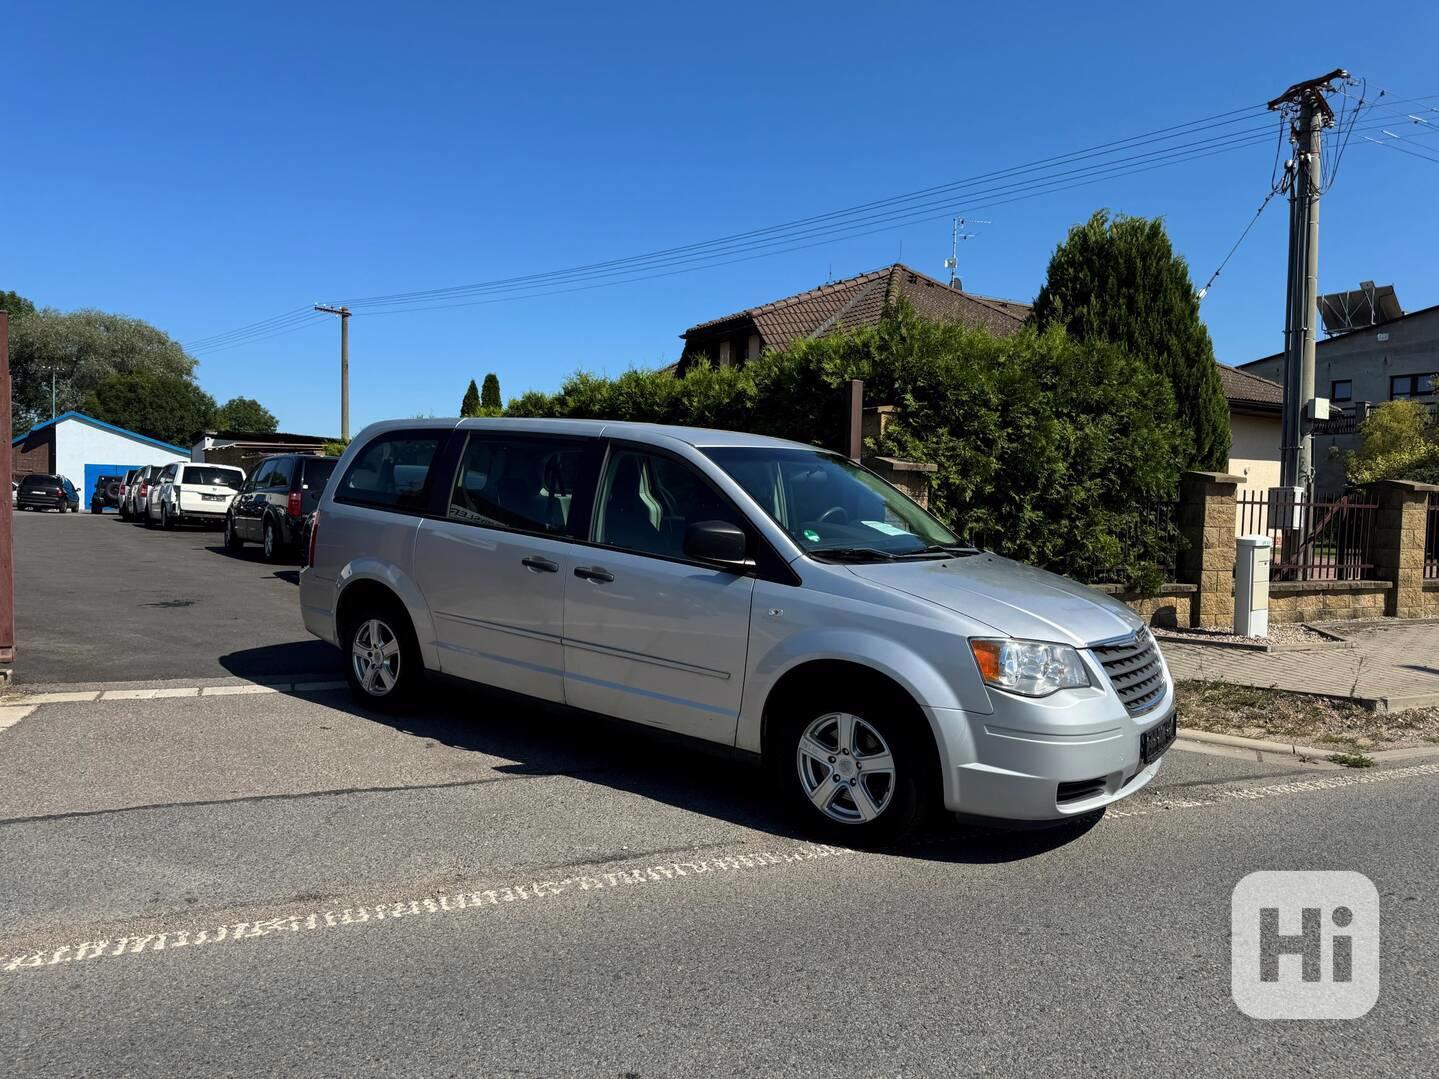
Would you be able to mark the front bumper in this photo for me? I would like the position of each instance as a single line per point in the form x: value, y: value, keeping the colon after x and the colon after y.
x: 1047, y: 759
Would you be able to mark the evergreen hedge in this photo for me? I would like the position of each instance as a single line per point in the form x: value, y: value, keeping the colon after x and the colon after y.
x: 1048, y: 451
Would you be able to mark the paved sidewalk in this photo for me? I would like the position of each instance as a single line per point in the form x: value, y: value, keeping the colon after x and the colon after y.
x: 1388, y: 667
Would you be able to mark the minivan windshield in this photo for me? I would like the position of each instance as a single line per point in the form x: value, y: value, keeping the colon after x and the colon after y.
x: 834, y: 509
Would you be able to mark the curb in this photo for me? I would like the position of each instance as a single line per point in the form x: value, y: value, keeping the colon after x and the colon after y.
x: 1331, y: 641
x: 1259, y: 745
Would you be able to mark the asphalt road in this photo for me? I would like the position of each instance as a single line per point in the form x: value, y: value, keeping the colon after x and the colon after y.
x: 490, y: 889
x: 100, y: 600
x: 276, y: 883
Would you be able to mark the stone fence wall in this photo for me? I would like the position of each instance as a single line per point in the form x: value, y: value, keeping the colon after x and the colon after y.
x: 1204, y: 594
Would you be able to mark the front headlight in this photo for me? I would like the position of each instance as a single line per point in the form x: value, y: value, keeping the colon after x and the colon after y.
x: 1031, y: 668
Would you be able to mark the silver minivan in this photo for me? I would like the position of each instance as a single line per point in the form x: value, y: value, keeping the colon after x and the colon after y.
x: 750, y: 591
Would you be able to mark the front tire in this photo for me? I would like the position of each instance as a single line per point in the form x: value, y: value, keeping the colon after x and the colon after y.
x: 856, y: 764
x: 382, y: 657
x: 232, y: 541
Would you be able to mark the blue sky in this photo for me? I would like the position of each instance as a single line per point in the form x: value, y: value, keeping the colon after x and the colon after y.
x: 208, y: 166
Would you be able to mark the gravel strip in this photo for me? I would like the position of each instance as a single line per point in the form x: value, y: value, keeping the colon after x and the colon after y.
x: 1320, y: 722
x: 1280, y: 634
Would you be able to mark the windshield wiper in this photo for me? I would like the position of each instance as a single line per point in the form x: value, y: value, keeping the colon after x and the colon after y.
x: 960, y: 550
x: 853, y: 554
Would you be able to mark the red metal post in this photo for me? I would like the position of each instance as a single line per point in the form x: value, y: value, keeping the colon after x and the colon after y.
x: 854, y: 445
x: 7, y: 561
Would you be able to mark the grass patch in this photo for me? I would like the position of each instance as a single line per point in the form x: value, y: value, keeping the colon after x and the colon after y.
x: 1255, y: 712
x: 1352, y: 760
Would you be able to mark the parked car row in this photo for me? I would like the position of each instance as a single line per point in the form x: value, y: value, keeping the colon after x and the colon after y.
x: 272, y: 507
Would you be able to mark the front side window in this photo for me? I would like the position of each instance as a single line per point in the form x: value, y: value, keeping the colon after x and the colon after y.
x: 833, y: 508
x: 392, y: 472
x: 648, y: 501
x: 526, y: 484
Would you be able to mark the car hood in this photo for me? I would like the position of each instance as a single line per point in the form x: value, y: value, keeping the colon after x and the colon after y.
x: 1018, y: 600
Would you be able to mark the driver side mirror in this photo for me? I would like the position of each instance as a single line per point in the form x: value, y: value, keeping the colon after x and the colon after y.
x: 717, y: 542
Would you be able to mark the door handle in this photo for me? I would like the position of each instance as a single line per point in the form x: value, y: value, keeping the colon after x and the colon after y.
x: 540, y: 565
x: 594, y: 573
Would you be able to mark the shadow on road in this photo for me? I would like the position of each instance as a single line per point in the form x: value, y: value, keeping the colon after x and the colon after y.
x: 686, y: 773
x: 309, y: 659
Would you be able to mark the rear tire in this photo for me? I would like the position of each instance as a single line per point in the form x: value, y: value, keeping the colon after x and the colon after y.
x: 823, y: 739
x: 270, y: 537
x: 382, y: 657
x: 166, y: 522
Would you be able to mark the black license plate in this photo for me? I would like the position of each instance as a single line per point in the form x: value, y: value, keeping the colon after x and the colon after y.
x: 1153, y: 742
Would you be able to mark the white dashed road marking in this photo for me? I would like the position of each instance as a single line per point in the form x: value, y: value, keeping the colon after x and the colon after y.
x: 1253, y: 794
x: 501, y: 899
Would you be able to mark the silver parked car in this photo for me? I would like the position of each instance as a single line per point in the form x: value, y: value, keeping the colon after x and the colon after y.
x: 746, y: 590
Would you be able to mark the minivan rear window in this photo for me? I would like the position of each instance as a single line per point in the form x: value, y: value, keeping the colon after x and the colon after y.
x: 392, y: 472
x: 215, y: 477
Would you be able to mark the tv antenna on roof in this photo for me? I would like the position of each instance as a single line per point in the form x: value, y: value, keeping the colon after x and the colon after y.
x: 952, y: 263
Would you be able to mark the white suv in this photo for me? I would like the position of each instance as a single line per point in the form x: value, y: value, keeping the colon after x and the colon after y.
x: 195, y: 494
x: 749, y: 591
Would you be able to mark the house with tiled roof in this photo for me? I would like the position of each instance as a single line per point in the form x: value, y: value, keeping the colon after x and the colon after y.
x: 843, y: 305
x: 1255, y: 407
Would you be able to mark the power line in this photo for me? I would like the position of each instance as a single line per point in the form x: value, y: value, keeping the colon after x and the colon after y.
x: 1017, y: 183
x: 1252, y: 222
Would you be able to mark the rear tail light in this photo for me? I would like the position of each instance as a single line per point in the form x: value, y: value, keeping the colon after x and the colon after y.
x: 292, y: 505
x: 314, y: 532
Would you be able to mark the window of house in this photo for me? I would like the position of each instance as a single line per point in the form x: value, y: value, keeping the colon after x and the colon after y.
x: 1404, y: 386
x: 1341, y: 390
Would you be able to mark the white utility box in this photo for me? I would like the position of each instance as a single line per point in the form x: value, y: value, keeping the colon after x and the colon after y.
x: 1286, y: 507
x: 1251, y: 586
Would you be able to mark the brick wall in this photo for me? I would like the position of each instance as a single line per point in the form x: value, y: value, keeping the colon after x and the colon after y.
x: 1326, y: 601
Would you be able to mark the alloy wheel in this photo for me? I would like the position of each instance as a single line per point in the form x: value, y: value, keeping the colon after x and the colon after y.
x: 846, y: 768
x: 375, y: 657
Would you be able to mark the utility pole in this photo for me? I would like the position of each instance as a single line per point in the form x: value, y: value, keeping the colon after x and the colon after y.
x: 344, y: 313
x: 1307, y: 107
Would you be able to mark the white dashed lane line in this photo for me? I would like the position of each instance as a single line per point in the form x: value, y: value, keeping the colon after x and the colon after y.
x: 1220, y: 796
x: 177, y: 940
x: 89, y: 696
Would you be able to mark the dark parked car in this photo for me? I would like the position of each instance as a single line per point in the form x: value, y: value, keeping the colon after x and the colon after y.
x: 43, y: 491
x: 106, y: 494
x: 275, y: 504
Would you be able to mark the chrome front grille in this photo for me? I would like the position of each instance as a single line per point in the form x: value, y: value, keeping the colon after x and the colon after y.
x: 1134, y: 670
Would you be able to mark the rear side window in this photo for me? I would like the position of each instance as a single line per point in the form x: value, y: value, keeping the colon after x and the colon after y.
x: 316, y: 471
x: 392, y: 472
x: 527, y: 484
x: 214, y: 477
x: 280, y: 474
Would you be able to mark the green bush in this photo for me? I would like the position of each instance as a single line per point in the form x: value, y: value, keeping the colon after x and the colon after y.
x: 1048, y: 450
